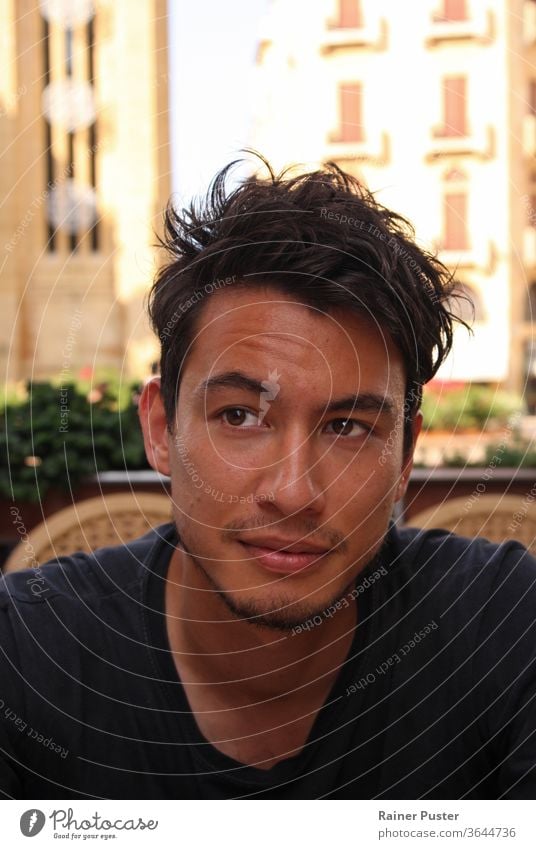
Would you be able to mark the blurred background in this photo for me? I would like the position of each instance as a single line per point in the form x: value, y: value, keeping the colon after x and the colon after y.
x: 108, y: 107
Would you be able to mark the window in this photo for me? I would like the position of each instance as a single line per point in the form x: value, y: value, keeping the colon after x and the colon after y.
x: 530, y: 304
x: 530, y: 377
x: 349, y: 14
x: 531, y: 211
x: 69, y: 107
x: 454, y: 107
x: 350, y: 113
x: 92, y: 137
x: 51, y: 242
x: 455, y: 217
x: 532, y: 98
x: 453, y: 10
x: 69, y: 52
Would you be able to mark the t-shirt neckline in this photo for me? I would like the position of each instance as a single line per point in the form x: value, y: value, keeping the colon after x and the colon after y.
x: 208, y: 756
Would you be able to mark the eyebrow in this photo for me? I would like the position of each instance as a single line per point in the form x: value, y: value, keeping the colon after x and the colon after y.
x: 368, y: 402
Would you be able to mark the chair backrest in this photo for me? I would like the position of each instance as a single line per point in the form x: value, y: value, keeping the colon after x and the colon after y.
x: 496, y: 517
x: 87, y: 525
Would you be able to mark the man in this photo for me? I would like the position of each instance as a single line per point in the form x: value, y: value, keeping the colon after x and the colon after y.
x: 281, y: 638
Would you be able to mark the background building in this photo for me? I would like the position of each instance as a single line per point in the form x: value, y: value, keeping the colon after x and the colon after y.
x: 84, y: 176
x: 433, y: 105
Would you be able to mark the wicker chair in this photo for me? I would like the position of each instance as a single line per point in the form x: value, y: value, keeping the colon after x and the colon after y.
x: 90, y: 524
x: 496, y: 517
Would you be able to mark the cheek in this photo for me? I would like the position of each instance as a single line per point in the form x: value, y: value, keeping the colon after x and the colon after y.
x: 217, y: 461
x: 204, y: 487
x: 370, y: 490
x: 369, y: 505
x: 374, y: 469
x: 365, y: 520
x: 187, y: 477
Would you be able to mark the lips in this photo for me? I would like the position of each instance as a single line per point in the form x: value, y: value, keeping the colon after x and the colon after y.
x: 277, y: 544
x: 284, y: 556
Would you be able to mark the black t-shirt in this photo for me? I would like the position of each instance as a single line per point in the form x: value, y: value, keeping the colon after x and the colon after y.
x: 435, y: 699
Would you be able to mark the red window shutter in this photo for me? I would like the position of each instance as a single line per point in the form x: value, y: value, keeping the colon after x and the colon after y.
x: 456, y: 238
x: 351, y: 106
x: 531, y: 211
x: 455, y: 106
x: 454, y: 10
x: 350, y: 14
x: 532, y: 97
x: 530, y: 305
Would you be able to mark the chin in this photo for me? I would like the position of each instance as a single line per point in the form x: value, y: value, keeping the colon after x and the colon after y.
x: 279, y: 614
x: 283, y: 606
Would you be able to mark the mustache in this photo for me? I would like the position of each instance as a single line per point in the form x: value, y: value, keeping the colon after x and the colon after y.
x: 327, y: 537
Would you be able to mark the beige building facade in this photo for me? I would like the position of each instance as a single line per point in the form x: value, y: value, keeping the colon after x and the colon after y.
x: 433, y: 106
x: 84, y: 177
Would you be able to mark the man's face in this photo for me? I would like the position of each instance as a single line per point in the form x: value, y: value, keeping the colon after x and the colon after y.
x: 288, y: 432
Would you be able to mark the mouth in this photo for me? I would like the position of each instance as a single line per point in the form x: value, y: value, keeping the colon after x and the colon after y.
x: 285, y: 558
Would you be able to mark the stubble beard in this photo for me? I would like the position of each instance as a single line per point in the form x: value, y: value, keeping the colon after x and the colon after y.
x: 284, y: 613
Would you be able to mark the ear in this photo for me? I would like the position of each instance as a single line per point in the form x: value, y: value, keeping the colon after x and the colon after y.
x: 154, y: 426
x: 408, y: 459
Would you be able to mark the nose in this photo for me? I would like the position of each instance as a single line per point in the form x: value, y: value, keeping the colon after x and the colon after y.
x: 293, y: 480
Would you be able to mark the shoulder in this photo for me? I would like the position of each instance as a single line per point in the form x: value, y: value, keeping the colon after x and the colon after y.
x: 81, y: 575
x: 55, y: 609
x: 469, y: 572
x: 482, y: 596
x: 460, y: 556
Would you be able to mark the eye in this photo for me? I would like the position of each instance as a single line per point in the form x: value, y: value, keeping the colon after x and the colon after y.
x: 346, y: 427
x: 239, y: 417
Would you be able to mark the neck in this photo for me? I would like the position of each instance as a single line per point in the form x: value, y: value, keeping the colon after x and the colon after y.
x: 243, y: 661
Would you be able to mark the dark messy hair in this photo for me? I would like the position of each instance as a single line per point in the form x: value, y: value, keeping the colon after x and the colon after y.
x: 320, y: 237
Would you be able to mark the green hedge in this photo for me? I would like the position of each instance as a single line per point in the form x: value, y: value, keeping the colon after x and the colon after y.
x: 467, y: 407
x: 518, y: 454
x: 57, y: 436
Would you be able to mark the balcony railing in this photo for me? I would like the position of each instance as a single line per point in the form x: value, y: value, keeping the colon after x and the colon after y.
x: 480, y: 142
x: 480, y: 27
x: 481, y: 255
x: 373, y: 35
x: 374, y: 148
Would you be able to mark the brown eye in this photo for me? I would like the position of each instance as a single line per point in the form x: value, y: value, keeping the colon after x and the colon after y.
x: 346, y: 427
x: 343, y: 427
x: 236, y: 416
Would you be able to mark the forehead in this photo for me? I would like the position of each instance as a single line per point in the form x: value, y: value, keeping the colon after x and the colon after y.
x: 259, y: 330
